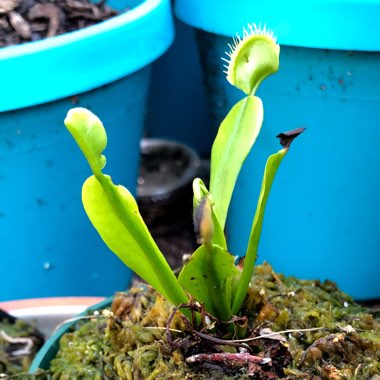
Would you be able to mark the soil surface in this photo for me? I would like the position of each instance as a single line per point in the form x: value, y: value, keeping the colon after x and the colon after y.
x: 296, y: 330
x: 32, y: 20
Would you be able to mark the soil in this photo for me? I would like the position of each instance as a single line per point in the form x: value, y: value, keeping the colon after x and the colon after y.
x: 32, y: 20
x: 19, y: 342
x: 297, y: 330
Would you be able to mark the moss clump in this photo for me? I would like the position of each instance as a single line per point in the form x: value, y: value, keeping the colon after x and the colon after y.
x: 82, y: 353
x: 19, y: 342
x: 347, y: 347
x: 132, y: 343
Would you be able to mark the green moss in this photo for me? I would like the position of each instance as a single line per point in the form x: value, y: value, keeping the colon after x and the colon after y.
x: 15, y: 358
x: 83, y: 353
x: 133, y: 343
x: 301, y: 304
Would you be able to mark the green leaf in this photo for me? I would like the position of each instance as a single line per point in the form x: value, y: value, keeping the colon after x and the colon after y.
x: 90, y: 135
x: 113, y: 212
x: 236, y: 136
x: 209, y: 278
x: 271, y: 168
x: 200, y: 191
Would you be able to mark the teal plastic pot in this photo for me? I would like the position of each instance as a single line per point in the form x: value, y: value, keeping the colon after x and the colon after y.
x: 48, y: 246
x: 178, y: 106
x: 323, y: 214
x: 51, y: 347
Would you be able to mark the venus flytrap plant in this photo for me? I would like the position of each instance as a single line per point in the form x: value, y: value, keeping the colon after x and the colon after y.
x: 211, y: 276
x: 251, y: 60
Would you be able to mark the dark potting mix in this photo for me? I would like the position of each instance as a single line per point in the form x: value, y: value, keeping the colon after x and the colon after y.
x: 32, y: 20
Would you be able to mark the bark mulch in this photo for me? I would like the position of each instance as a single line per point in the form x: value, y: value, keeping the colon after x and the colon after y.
x: 32, y: 20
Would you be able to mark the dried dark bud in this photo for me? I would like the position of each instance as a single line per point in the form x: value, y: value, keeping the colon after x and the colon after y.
x: 286, y: 138
x: 203, y: 224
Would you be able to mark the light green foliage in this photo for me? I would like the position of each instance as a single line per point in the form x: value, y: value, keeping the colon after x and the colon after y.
x: 210, y: 276
x: 113, y: 211
x: 90, y: 135
x: 235, y: 138
x: 271, y: 168
x: 252, y: 59
x: 200, y: 191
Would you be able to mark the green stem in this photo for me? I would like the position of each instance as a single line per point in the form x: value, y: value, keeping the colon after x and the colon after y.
x: 271, y: 168
x: 236, y: 136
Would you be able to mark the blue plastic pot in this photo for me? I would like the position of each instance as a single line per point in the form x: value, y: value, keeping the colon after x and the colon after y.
x: 323, y: 214
x: 48, y: 246
x: 177, y: 105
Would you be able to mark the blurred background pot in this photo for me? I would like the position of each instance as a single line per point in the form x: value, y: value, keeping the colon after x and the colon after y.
x: 165, y: 196
x: 323, y: 215
x: 46, y: 314
x: 177, y: 106
x: 48, y: 246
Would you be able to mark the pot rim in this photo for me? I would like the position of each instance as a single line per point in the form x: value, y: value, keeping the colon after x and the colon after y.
x: 325, y: 24
x: 23, y: 306
x: 75, y: 62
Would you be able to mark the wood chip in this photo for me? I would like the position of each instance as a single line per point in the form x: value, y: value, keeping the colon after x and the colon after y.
x: 30, y: 20
x: 20, y: 25
x: 50, y: 12
x: 8, y: 5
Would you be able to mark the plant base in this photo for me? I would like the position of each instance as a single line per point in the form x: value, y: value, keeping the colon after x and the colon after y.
x: 298, y: 329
